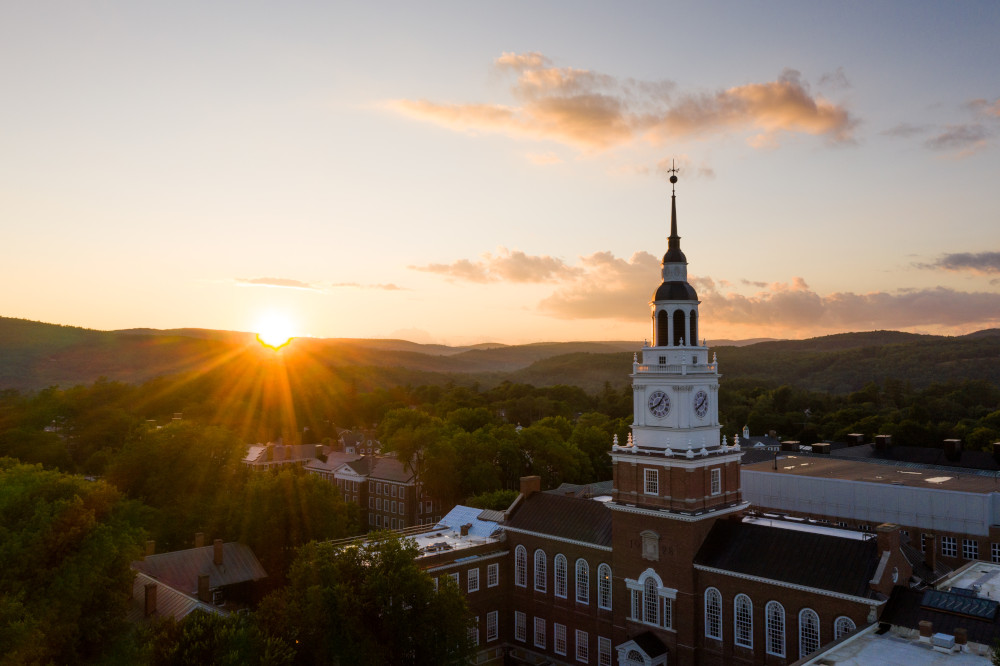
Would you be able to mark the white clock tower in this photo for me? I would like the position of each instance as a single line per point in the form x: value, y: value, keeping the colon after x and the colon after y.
x: 676, y: 427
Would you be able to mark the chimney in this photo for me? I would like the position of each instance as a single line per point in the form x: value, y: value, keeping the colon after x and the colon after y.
x: 855, y: 439
x: 883, y: 442
x: 199, y: 539
x: 150, y: 599
x: 530, y: 485
x: 150, y: 547
x: 204, y: 594
x: 888, y: 537
x: 464, y: 530
x: 926, y: 631
x: 953, y: 449
x: 217, y: 552
x: 961, y: 638
x: 930, y: 551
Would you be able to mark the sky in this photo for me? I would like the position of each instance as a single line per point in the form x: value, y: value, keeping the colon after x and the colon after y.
x: 457, y: 173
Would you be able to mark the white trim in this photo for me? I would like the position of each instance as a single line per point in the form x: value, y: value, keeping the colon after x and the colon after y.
x: 662, y: 513
x: 792, y: 586
x: 679, y: 459
x: 517, y: 530
x: 465, y: 563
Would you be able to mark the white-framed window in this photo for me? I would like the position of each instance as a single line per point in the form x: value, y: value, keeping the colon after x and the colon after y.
x: 378, y: 504
x: 492, y: 626
x: 603, y: 651
x: 473, y: 576
x: 378, y: 488
x: 923, y: 543
x: 392, y: 491
x: 582, y: 581
x: 402, y: 523
x: 808, y: 632
x: 371, y: 502
x: 520, y: 567
x: 378, y: 521
x: 493, y: 575
x: 970, y: 549
x: 371, y: 519
x: 716, y: 477
x: 582, y: 646
x: 842, y: 627
x: 651, y: 602
x: 393, y: 523
x: 713, y: 614
x: 371, y: 486
x: 540, y: 632
x: 651, y: 478
x: 435, y: 584
x: 402, y: 508
x: 541, y: 572
x: 743, y: 621
x: 520, y: 626
x: 604, y: 586
x: 774, y: 628
x: 560, y: 576
x: 474, y: 631
x: 995, y: 553
x: 393, y: 509
x: 455, y: 578
x: 559, y: 638
x: 949, y: 546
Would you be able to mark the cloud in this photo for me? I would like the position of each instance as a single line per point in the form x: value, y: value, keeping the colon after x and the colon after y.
x: 544, y: 158
x: 835, y: 80
x: 974, y: 262
x: 594, y: 111
x: 507, y: 265
x: 905, y: 130
x: 284, y: 283
x: 965, y: 139
x: 984, y: 108
x: 357, y: 285
x: 615, y: 288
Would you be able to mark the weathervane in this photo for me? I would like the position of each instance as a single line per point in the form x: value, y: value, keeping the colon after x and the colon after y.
x: 673, y: 171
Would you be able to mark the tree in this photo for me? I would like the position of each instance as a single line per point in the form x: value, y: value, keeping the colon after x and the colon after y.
x: 367, y: 604
x: 65, y: 549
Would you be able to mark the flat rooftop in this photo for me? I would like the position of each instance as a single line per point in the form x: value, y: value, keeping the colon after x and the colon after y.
x: 871, y: 649
x: 983, y: 577
x: 904, y: 474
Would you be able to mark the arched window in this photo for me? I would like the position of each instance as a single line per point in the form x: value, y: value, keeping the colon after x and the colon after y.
x: 713, y: 613
x: 560, y: 574
x: 693, y: 335
x: 808, y: 632
x: 678, y: 326
x: 662, y: 328
x: 774, y: 628
x: 604, y: 587
x: 633, y: 658
x: 743, y: 621
x: 843, y: 626
x: 582, y: 581
x: 520, y: 567
x: 651, y: 602
x: 540, y: 570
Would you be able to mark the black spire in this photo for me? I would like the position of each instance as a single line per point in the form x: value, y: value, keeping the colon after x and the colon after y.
x: 674, y: 254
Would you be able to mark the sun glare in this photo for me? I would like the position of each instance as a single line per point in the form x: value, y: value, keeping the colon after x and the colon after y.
x: 275, y: 330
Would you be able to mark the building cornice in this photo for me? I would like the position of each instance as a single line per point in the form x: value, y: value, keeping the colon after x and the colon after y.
x: 792, y: 586
x: 687, y: 518
x: 543, y: 535
x: 679, y: 459
x: 466, y: 561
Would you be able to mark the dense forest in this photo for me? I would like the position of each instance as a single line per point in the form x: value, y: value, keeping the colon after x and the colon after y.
x: 162, y: 456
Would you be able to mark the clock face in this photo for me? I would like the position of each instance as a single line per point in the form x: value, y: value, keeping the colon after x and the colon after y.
x: 659, y: 404
x: 700, y: 403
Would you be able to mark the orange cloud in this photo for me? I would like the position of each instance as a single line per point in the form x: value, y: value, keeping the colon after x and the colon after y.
x: 509, y: 266
x: 595, y: 111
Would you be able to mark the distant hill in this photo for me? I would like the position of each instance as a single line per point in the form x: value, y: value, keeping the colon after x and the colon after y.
x: 35, y: 355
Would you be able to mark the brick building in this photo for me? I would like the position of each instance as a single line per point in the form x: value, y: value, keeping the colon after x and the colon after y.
x: 668, y: 565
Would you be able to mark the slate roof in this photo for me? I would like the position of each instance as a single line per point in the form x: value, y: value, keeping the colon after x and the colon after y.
x: 583, y: 520
x: 333, y: 460
x: 390, y: 469
x: 906, y: 608
x: 584, y: 490
x: 814, y: 560
x: 180, y: 569
x: 169, y: 602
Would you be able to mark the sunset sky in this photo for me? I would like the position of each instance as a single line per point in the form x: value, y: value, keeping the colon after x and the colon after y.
x: 468, y: 172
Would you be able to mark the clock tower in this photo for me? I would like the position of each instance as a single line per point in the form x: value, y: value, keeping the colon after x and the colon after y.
x: 674, y: 476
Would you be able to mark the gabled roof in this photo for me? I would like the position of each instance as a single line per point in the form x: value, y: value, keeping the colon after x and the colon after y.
x: 467, y: 515
x: 169, y: 602
x: 810, y: 559
x: 181, y: 568
x: 390, y: 469
x: 333, y: 460
x: 583, y: 520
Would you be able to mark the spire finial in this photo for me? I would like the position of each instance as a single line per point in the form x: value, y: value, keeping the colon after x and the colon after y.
x: 673, y: 170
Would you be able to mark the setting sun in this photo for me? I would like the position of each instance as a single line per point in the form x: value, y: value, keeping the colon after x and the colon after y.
x: 274, y: 330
